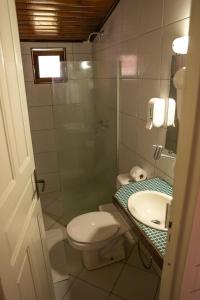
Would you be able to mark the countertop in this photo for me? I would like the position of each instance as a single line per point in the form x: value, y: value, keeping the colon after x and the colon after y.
x: 156, y: 238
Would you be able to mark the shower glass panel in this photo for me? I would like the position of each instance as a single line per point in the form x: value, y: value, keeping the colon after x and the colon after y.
x: 85, y: 117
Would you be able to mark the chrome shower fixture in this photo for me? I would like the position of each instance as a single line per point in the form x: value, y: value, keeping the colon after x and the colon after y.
x: 98, y: 34
x: 158, y: 153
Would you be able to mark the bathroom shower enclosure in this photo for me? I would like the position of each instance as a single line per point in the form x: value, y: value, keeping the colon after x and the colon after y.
x: 85, y: 117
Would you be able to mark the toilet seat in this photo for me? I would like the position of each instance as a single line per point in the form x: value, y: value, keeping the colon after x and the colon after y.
x: 93, y: 227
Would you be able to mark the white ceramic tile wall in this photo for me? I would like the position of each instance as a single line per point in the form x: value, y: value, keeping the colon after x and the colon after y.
x: 139, y: 33
x: 41, y: 109
x: 43, y: 141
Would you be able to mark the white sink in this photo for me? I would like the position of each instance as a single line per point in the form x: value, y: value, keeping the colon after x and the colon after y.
x: 150, y: 208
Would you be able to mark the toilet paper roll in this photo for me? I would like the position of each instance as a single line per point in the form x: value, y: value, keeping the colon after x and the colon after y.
x: 138, y: 174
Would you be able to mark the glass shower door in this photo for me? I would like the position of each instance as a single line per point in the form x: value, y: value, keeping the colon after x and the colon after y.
x: 85, y: 131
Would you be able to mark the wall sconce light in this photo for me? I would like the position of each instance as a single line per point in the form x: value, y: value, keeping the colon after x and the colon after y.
x: 180, y: 45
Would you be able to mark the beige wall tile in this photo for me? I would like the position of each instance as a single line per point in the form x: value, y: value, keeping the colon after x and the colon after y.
x: 82, y: 56
x: 52, y: 182
x: 171, y: 32
x: 67, y: 46
x: 41, y: 117
x: 164, y: 176
x: 130, y: 18
x: 176, y: 10
x: 151, y: 15
x: 149, y: 55
x: 43, y: 141
x: 128, y: 96
x: 130, y: 132
x: 146, y: 140
x: 46, y: 162
x: 38, y: 94
x: 82, y: 47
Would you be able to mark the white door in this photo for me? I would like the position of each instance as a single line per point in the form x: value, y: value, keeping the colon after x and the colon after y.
x: 24, y: 266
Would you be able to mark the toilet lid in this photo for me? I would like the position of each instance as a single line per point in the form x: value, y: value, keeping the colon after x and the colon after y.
x: 92, y: 227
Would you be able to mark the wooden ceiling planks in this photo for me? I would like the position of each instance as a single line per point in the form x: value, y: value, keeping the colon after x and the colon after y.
x: 61, y: 20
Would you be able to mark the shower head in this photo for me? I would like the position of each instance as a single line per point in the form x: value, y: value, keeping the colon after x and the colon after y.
x: 96, y: 33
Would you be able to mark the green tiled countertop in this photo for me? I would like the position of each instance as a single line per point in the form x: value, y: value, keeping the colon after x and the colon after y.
x: 156, y: 237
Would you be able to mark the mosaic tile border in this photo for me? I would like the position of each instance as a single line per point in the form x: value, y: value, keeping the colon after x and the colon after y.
x: 157, y: 238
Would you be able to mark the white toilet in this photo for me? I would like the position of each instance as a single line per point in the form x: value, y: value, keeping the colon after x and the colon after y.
x: 99, y: 236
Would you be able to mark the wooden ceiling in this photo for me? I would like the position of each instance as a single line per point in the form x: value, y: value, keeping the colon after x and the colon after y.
x: 61, y: 20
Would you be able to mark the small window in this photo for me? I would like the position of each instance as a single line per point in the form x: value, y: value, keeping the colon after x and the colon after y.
x: 46, y: 64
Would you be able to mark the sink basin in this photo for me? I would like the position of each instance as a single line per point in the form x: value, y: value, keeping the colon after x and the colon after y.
x: 150, y: 207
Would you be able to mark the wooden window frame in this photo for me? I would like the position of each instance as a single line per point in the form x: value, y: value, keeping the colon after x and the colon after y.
x: 46, y: 52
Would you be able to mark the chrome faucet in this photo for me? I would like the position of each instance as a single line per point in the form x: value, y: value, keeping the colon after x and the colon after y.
x: 158, y: 153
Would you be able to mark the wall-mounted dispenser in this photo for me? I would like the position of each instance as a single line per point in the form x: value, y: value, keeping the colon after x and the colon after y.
x: 155, y: 113
x: 161, y: 113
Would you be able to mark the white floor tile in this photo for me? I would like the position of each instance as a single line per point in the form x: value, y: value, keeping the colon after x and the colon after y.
x: 57, y: 225
x: 57, y: 254
x: 135, y: 261
x: 135, y: 284
x: 62, y: 287
x: 104, y: 277
x: 81, y: 290
x: 48, y: 221
x: 130, y: 243
x: 74, y: 262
